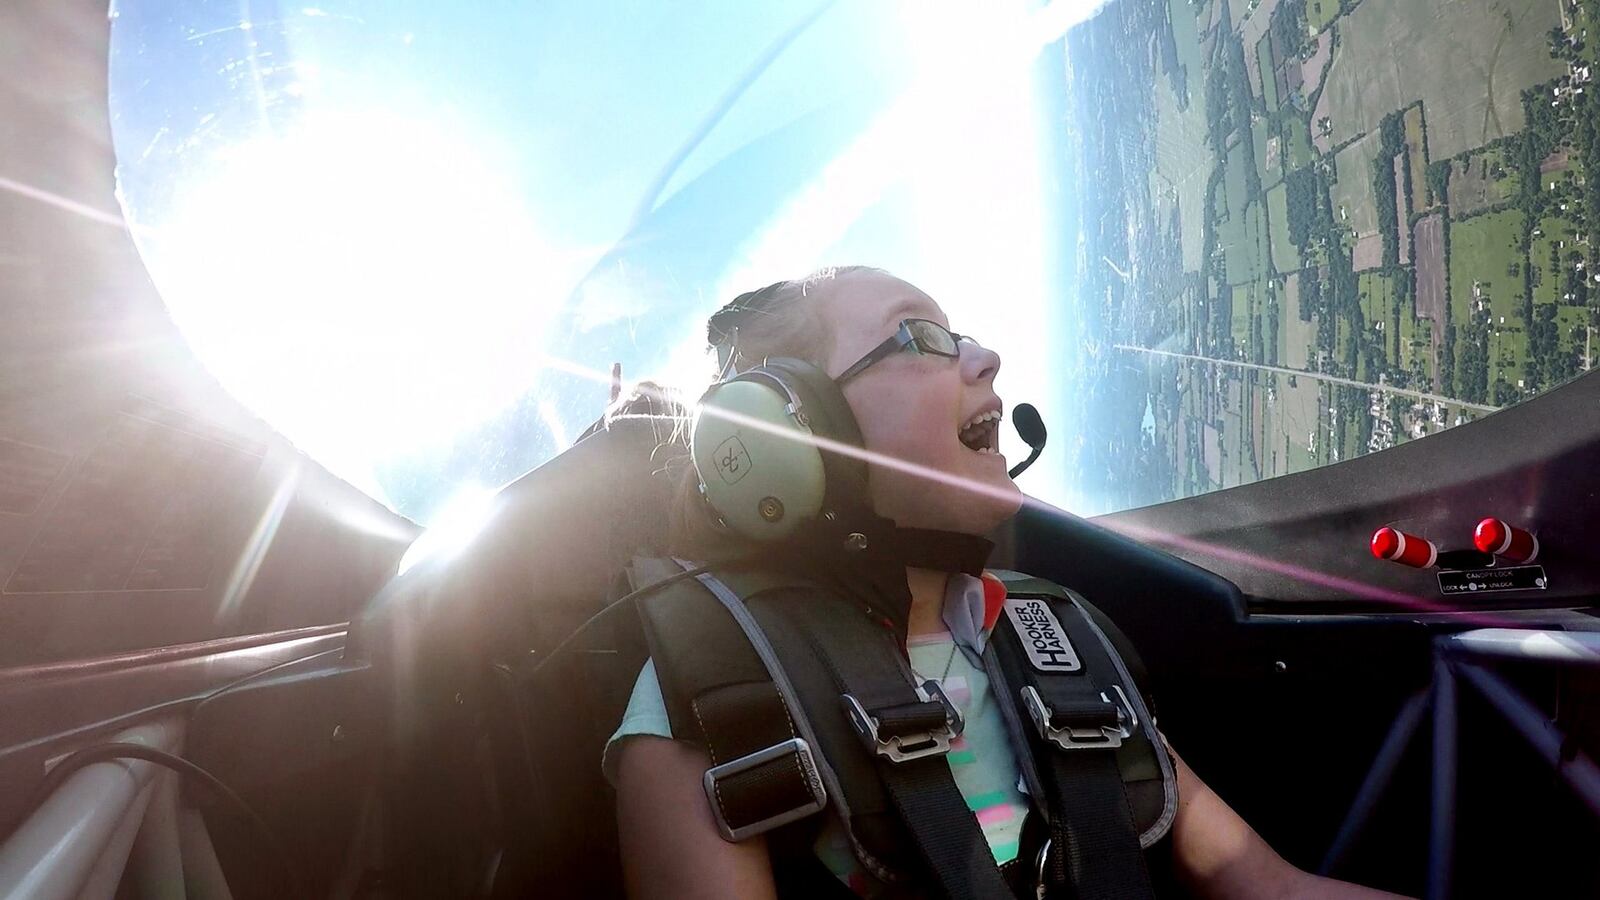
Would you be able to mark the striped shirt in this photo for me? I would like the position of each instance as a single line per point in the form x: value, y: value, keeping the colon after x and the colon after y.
x: 981, y: 759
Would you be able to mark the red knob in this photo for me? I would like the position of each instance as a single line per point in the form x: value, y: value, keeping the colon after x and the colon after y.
x: 1495, y: 536
x: 1405, y: 549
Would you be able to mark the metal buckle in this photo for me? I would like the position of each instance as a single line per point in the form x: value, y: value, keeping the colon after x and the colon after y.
x: 1105, y: 737
x: 912, y: 746
x: 808, y: 770
x: 1039, y: 861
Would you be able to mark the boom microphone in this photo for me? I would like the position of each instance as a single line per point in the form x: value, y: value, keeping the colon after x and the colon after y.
x: 1031, y: 429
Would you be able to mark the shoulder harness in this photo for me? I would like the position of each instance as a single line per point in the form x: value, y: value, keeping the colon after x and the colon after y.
x: 804, y: 700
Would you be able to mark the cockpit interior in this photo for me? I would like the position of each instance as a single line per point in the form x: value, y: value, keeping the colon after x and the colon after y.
x: 331, y: 507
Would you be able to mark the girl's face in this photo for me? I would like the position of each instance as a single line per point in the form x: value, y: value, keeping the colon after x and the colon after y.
x: 918, y: 408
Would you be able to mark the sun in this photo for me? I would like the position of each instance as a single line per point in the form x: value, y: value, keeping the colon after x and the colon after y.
x: 368, y: 283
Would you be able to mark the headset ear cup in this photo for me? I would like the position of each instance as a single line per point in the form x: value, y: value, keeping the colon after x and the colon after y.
x: 752, y: 444
x: 759, y: 469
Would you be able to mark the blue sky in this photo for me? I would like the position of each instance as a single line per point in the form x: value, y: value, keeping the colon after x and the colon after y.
x: 380, y: 222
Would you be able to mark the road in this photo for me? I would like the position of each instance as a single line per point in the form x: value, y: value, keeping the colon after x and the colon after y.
x: 1319, y: 376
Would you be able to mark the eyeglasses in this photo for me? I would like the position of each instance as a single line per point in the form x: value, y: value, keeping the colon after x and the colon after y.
x: 923, y: 336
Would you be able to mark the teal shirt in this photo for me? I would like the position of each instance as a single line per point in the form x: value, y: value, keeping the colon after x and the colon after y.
x: 981, y: 760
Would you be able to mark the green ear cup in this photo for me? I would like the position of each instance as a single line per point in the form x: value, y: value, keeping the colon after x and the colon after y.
x: 758, y: 467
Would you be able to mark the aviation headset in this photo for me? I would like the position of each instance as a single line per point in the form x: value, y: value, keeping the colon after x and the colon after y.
x: 752, y: 439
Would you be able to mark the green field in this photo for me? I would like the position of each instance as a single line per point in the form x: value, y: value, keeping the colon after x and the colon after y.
x: 1467, y: 60
x: 1457, y: 69
x: 1481, y: 180
x: 1508, y: 352
x: 1239, y: 9
x: 1418, y: 157
x: 1572, y: 322
x: 1353, y: 203
x: 1269, y: 82
x: 1376, y: 298
x: 1559, y: 179
x: 1416, y: 350
x: 1343, y: 338
x: 1482, y: 250
x: 1406, y: 339
x: 1183, y: 163
x: 1235, y: 179
x: 1582, y: 21
x: 1484, y: 253
x: 1269, y: 174
x: 1285, y: 256
x: 1244, y: 246
x: 1294, y: 336
x: 1244, y: 308
x: 1554, y: 232
x: 1321, y: 13
x: 1297, y: 142
x: 1186, y: 36
x: 1235, y: 227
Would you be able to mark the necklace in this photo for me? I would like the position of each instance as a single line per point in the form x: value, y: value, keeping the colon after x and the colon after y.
x: 949, y: 663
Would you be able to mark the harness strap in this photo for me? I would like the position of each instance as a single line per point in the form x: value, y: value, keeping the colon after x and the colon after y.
x: 1094, y: 827
x: 764, y: 771
x: 1075, y: 723
x: 908, y: 734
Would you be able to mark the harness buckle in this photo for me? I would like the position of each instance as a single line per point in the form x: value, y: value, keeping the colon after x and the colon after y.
x: 900, y: 748
x: 809, y: 774
x: 1080, y: 737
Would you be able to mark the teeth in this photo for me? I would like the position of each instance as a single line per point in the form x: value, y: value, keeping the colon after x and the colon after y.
x: 992, y: 415
x: 978, y: 431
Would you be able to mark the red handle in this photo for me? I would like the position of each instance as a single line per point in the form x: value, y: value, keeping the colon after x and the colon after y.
x: 1503, y: 539
x: 1406, y: 549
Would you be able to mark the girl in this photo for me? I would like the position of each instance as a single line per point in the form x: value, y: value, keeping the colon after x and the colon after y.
x: 919, y: 407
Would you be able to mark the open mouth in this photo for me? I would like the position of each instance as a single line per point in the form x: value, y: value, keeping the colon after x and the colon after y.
x: 981, y: 433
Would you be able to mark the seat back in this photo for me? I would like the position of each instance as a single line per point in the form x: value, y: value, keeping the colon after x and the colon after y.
x: 491, y: 738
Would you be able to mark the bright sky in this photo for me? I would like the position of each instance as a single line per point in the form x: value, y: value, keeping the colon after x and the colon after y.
x: 403, y: 231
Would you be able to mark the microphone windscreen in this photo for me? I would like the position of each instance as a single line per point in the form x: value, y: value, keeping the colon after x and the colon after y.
x: 1029, y: 426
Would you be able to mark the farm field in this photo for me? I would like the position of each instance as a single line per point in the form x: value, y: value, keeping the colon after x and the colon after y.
x: 1293, y: 227
x: 1486, y: 286
x: 1183, y: 162
x: 1267, y: 164
x: 1428, y: 251
x: 1480, y: 181
x: 1390, y: 55
x: 1285, y: 255
x: 1297, y: 143
x: 1245, y: 304
x: 1353, y: 203
x: 1416, y: 152
x: 1376, y: 293
x: 1483, y: 250
x: 1558, y: 235
x: 1572, y: 328
x: 1243, y: 242
x: 1321, y: 13
x: 1269, y: 84
x: 1295, y: 337
x: 1563, y: 171
x: 1415, y: 345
